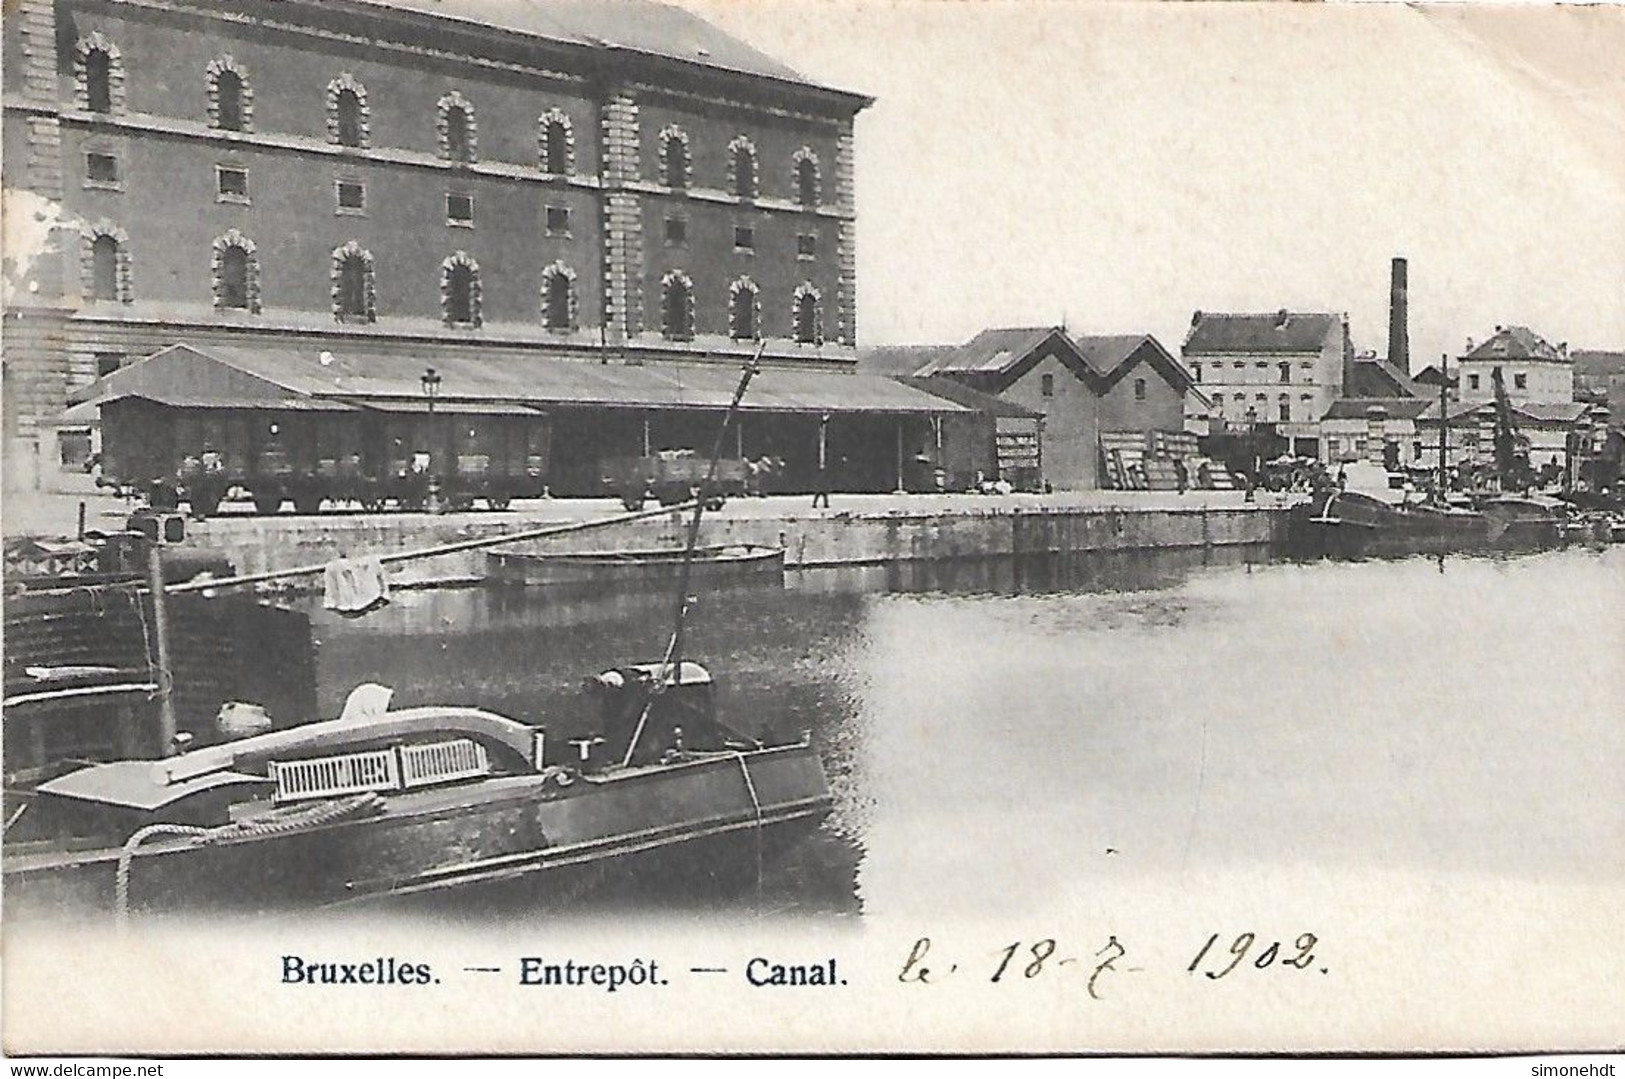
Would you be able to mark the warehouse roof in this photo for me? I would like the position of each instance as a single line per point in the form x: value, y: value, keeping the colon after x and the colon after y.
x: 641, y: 26
x: 269, y: 374
x: 1101, y: 359
x: 991, y: 352
x: 958, y: 392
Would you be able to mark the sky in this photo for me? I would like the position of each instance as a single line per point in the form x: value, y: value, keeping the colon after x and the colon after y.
x: 1117, y: 166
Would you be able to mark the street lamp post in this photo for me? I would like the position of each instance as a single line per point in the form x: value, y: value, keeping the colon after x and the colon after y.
x: 430, y: 380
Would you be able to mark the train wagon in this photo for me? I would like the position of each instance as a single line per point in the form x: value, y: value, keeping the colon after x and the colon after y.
x: 312, y: 452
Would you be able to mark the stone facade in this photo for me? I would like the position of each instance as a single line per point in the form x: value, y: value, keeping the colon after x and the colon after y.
x: 1532, y: 369
x: 1282, y: 369
x: 187, y: 130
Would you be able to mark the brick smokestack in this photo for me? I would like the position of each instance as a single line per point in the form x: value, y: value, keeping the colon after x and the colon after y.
x: 1399, y: 343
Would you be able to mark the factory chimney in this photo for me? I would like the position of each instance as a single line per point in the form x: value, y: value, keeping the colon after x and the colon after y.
x: 1399, y: 344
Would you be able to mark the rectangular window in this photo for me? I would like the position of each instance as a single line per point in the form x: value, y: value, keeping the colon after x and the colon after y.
x: 807, y: 245
x: 1196, y: 372
x: 460, y: 210
x: 231, y: 183
x: 1520, y: 382
x: 744, y: 238
x: 108, y: 362
x: 351, y: 196
x: 1472, y: 382
x: 1285, y: 372
x: 676, y: 231
x: 101, y: 170
x: 558, y: 221
x: 73, y: 450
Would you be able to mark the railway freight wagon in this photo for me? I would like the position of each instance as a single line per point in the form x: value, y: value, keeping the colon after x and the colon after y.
x: 314, y: 452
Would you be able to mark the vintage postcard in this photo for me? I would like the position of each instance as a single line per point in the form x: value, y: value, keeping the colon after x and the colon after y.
x: 813, y: 526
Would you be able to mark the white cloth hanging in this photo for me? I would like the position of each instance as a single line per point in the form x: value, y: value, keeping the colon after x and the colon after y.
x: 355, y: 586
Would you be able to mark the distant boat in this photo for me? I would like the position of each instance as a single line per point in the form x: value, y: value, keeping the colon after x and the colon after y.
x: 741, y: 562
x: 1366, y: 516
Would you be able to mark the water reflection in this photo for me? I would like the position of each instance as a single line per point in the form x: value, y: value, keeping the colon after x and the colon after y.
x: 1072, y: 721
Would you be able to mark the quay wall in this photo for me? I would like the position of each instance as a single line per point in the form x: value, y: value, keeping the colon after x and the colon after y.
x: 810, y: 538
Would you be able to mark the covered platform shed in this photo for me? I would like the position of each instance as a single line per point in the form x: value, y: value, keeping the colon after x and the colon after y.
x: 315, y: 410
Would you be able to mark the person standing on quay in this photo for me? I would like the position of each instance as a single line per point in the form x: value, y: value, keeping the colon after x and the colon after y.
x: 821, y: 492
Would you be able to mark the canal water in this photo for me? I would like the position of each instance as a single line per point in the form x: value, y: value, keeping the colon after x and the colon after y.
x: 998, y: 732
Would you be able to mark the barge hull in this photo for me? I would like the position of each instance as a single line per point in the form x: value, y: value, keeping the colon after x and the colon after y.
x: 712, y: 820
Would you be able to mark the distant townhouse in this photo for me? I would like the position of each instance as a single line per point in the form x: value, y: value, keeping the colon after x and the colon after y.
x: 1283, y: 369
x: 1532, y: 368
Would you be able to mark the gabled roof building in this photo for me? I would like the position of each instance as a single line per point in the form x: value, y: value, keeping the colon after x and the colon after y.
x: 1084, y: 387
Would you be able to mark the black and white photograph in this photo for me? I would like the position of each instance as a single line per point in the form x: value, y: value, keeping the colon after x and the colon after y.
x: 813, y: 527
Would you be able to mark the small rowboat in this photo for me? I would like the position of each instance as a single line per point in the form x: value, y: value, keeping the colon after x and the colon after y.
x: 742, y: 562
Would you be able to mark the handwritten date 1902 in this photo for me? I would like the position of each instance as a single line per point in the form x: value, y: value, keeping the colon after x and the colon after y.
x: 1300, y: 954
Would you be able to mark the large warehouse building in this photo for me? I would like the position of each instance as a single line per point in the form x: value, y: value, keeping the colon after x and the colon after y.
x: 516, y: 195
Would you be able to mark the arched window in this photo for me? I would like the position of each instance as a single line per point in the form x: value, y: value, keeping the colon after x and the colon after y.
x: 236, y: 273
x: 355, y: 297
x: 1046, y: 385
x: 674, y: 159
x: 744, y: 311
x: 230, y: 96
x: 1284, y: 409
x: 809, y: 315
x: 104, y: 268
x: 99, y: 81
x: 100, y: 72
x: 348, y: 123
x: 559, y: 297
x: 742, y: 167
x: 106, y: 262
x: 1139, y: 389
x: 558, y: 142
x: 677, y: 307
x: 806, y: 165
x: 460, y: 290
x: 458, y: 133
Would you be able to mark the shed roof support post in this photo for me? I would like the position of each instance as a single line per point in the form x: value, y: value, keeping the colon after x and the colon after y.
x: 901, y: 421
x: 647, y: 445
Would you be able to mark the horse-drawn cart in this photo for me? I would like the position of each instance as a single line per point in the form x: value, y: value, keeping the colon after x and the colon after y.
x: 672, y: 477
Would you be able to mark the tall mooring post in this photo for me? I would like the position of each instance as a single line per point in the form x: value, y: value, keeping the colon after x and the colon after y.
x: 168, y: 728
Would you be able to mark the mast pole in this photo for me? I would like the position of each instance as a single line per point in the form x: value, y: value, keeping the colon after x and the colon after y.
x: 674, y: 650
x: 1444, y: 425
